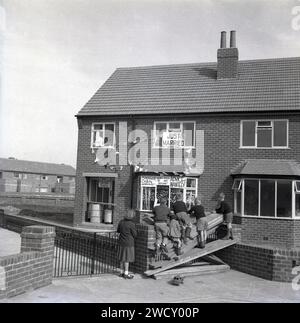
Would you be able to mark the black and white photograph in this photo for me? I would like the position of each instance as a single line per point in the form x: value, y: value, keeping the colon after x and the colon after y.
x: 149, y: 154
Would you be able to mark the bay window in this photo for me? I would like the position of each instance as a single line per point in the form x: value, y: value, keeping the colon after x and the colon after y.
x: 278, y: 198
x: 297, y: 205
x: 297, y: 198
x: 251, y: 193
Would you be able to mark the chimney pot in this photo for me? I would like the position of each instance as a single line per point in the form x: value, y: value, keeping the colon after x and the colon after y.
x: 227, y: 66
x: 232, y: 39
x: 223, y: 39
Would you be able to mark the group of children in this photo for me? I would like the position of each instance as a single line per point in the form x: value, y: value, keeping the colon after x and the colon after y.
x: 176, y: 225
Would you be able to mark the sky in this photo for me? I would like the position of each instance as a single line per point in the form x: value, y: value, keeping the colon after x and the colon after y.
x: 55, y: 54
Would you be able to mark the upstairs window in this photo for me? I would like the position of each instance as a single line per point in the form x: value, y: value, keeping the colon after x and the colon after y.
x: 174, y: 134
x: 103, y: 135
x: 264, y: 134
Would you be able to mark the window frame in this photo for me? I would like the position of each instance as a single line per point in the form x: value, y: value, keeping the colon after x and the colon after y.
x: 185, y: 189
x: 272, y: 137
x: 154, y: 140
x: 103, y: 125
x: 239, y: 188
x: 293, y: 198
x: 297, y: 191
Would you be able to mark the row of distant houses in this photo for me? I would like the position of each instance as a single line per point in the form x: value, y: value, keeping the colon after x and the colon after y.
x: 21, y: 176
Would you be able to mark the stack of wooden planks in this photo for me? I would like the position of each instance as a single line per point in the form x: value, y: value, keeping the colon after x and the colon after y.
x: 175, y: 265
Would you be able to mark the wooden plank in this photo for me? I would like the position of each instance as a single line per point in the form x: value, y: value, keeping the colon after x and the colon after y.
x: 192, y: 271
x: 214, y: 220
x: 192, y: 254
x: 214, y: 259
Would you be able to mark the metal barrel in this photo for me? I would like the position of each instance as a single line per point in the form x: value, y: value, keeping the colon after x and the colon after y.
x: 95, y: 212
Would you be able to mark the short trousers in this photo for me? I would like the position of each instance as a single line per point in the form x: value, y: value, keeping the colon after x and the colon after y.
x: 185, y: 217
x: 202, y: 224
x: 161, y: 229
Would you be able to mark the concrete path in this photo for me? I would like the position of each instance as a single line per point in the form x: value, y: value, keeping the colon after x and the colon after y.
x: 231, y: 286
x: 10, y: 242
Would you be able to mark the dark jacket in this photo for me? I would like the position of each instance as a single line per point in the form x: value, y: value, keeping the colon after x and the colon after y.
x: 197, y: 211
x: 161, y: 213
x: 127, y: 230
x: 179, y: 206
x: 223, y: 208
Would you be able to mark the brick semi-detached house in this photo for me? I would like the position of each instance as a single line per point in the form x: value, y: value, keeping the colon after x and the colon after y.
x: 249, y: 112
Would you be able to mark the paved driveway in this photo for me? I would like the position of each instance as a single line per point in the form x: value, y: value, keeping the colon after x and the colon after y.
x: 10, y: 242
x: 231, y: 286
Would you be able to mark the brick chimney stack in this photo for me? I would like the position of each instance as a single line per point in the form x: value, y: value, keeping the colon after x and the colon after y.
x: 228, y: 57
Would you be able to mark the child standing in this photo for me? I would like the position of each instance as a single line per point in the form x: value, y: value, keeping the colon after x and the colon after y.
x: 126, y: 254
x: 161, y: 218
x: 175, y: 234
x: 224, y: 208
x: 179, y: 208
x: 198, y: 211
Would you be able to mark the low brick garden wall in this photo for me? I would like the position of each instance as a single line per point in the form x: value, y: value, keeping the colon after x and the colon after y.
x: 267, y: 262
x: 33, y: 266
x: 145, y: 238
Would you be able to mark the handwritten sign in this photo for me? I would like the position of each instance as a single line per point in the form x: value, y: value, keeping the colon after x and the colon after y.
x: 173, y: 181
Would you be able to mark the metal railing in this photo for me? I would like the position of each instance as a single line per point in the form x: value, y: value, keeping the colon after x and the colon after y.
x: 76, y: 253
x: 79, y: 253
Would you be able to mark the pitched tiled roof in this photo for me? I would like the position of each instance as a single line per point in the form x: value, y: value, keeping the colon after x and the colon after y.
x: 24, y: 166
x: 267, y: 167
x: 262, y: 85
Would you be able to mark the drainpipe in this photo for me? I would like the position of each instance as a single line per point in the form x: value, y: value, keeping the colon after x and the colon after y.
x: 132, y: 174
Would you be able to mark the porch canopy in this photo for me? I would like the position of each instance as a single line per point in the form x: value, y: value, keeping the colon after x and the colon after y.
x: 267, y: 167
x: 176, y: 170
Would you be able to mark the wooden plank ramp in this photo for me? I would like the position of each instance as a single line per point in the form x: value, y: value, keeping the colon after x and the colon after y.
x: 192, y: 254
x: 214, y: 220
x: 203, y: 269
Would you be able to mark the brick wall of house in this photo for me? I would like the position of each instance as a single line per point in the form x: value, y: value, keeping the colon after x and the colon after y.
x: 86, y: 163
x: 297, y: 234
x: 222, y: 153
x: 277, y: 232
x: 266, y: 262
x: 33, y: 267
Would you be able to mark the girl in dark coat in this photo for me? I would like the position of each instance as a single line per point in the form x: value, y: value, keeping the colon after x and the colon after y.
x: 127, y: 230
